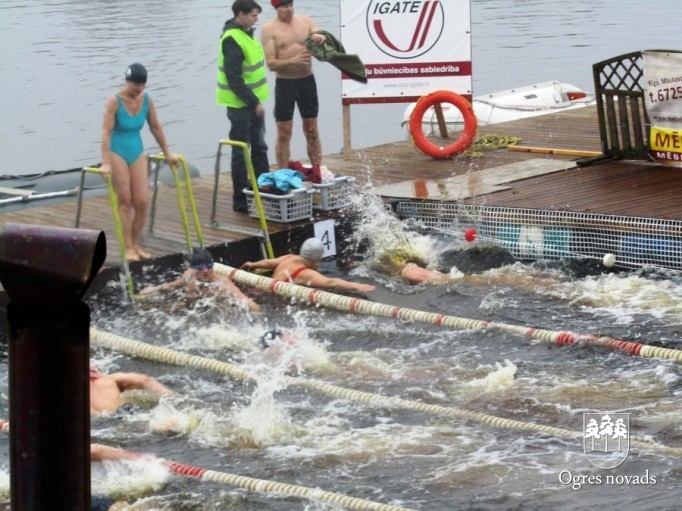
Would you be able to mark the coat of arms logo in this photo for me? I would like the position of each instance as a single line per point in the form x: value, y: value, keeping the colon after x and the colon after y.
x: 606, y: 438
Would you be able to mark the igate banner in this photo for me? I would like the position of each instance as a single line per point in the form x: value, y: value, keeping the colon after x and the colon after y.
x: 409, y: 48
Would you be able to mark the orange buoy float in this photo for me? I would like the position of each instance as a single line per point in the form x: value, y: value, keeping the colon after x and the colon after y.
x: 465, y: 139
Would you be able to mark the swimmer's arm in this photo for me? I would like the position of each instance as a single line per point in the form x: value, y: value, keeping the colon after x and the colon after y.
x: 266, y: 264
x: 104, y: 452
x: 234, y: 290
x: 107, y: 128
x: 133, y: 381
x: 163, y: 288
x: 315, y: 279
x: 159, y: 135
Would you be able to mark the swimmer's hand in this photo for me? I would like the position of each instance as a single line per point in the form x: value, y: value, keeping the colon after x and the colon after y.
x: 105, y: 171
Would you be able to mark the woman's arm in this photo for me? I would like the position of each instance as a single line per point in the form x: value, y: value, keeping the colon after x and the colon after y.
x: 107, y: 128
x: 159, y: 135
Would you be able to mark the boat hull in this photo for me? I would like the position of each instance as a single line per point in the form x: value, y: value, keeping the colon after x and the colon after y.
x: 509, y: 105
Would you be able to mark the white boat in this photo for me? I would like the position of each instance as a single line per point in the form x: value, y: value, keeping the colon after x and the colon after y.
x: 508, y: 105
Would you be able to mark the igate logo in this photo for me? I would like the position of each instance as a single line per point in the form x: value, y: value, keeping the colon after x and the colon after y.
x: 405, y: 29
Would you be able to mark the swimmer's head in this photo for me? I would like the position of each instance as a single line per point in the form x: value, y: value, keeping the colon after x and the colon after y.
x: 312, y: 250
x: 201, y: 259
x: 274, y: 335
x: 392, y: 262
x: 269, y: 337
x: 136, y: 73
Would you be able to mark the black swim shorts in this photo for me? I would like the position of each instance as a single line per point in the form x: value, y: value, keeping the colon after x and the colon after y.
x: 299, y: 91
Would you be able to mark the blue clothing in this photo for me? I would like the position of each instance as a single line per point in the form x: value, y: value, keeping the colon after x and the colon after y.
x: 126, y: 140
x: 283, y: 179
x: 246, y: 126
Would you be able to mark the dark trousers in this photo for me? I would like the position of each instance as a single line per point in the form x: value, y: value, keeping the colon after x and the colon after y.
x: 246, y: 126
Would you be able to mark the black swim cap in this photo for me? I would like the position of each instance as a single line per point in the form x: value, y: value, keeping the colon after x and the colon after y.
x: 268, y: 337
x: 136, y: 73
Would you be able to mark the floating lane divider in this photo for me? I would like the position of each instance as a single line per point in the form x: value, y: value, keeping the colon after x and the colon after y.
x: 165, y: 355
x: 359, y: 306
x: 264, y: 486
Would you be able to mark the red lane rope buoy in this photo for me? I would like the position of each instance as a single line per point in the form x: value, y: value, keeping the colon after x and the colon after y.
x: 465, y: 139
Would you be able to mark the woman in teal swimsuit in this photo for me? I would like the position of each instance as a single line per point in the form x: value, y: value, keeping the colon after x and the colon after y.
x: 123, y: 154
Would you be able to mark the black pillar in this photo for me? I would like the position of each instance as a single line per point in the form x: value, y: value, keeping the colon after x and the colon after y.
x: 45, y: 273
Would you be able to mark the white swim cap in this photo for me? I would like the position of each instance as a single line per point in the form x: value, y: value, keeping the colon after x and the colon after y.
x: 312, y: 249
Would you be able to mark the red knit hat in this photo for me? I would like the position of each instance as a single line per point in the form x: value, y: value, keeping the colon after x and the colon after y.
x: 277, y: 3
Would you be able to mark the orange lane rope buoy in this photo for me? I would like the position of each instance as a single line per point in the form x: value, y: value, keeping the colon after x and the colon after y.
x: 465, y: 139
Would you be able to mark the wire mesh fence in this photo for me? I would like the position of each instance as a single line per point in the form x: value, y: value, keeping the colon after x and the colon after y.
x: 537, y: 234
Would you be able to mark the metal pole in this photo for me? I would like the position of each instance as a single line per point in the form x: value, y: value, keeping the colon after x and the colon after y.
x: 45, y: 273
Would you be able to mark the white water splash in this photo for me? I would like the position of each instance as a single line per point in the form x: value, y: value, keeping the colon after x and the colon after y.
x: 502, y: 377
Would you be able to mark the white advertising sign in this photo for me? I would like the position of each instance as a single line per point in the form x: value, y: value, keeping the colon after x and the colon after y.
x: 663, y: 100
x: 409, y: 48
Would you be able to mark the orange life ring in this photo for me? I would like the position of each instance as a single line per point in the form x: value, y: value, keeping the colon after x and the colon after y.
x: 462, y: 143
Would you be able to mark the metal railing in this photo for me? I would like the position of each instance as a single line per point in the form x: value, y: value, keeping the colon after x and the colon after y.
x: 179, y: 186
x: 113, y: 202
x: 254, y: 185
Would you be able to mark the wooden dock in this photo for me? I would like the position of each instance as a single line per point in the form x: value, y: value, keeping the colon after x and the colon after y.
x: 626, y: 188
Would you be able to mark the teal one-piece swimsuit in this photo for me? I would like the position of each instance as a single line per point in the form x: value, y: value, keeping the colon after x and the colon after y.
x: 126, y: 140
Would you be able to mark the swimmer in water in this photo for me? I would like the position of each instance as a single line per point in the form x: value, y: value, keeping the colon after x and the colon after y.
x: 106, y: 390
x: 301, y: 269
x: 200, y: 281
x: 404, y: 262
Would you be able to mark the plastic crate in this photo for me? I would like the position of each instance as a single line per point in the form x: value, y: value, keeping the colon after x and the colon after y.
x: 334, y: 195
x: 297, y: 205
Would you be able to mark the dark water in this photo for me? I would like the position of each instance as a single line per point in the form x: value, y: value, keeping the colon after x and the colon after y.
x: 418, y: 460
x: 59, y: 62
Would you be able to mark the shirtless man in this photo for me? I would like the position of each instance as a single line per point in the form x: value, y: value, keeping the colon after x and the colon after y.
x: 283, y: 41
x: 302, y: 269
x: 106, y: 390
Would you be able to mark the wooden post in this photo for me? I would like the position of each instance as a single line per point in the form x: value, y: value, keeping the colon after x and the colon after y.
x: 346, y: 133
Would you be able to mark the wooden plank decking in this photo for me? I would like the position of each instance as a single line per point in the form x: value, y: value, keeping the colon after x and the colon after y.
x: 634, y: 189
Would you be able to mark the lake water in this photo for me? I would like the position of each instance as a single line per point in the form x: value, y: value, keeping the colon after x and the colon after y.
x: 61, y: 59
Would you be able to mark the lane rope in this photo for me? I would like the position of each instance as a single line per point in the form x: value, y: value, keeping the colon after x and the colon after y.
x: 265, y: 486
x: 360, y: 306
x: 166, y: 355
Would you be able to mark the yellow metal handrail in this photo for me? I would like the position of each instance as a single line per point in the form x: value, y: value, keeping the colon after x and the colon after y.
x: 181, y: 202
x: 113, y: 201
x: 254, y: 186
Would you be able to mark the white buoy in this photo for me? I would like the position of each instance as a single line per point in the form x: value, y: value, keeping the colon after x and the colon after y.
x: 609, y: 260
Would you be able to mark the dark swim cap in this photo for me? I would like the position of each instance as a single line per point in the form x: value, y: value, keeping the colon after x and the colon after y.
x: 268, y: 337
x: 136, y: 73
x: 200, y: 256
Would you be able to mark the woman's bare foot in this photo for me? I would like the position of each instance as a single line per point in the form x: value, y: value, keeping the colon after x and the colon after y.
x: 132, y: 254
x: 142, y: 254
